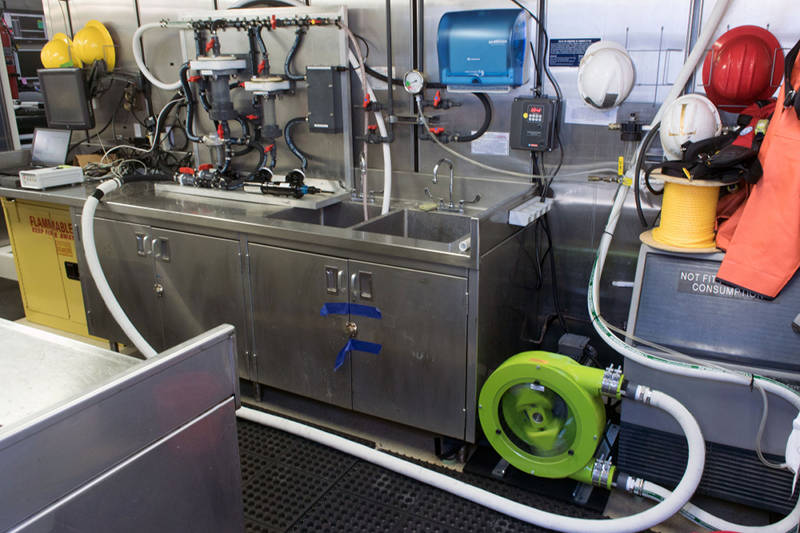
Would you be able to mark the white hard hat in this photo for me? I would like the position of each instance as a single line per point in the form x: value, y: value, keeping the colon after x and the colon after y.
x: 605, y: 75
x: 691, y: 117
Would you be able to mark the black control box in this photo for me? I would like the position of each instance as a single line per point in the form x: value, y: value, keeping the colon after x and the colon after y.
x: 324, y: 99
x: 533, y: 124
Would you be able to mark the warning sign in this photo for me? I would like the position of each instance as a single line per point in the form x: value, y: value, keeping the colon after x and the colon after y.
x: 568, y: 52
x: 706, y: 284
x: 58, y: 229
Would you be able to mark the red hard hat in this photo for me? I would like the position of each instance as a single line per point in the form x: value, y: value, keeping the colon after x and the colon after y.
x: 743, y: 66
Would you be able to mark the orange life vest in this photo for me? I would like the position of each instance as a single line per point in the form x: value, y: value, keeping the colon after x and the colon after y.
x: 764, y: 250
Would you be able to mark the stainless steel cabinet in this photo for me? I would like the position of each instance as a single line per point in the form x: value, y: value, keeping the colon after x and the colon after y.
x: 199, y: 283
x: 295, y: 346
x: 130, y: 275
x: 173, y: 285
x: 419, y: 376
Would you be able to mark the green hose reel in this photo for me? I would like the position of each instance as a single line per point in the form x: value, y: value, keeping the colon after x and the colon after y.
x: 544, y: 414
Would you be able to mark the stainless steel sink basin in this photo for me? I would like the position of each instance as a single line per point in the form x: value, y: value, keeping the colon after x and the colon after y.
x: 429, y: 226
x: 342, y: 215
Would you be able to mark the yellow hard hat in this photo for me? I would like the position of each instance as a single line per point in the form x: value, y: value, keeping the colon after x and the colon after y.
x: 58, y: 53
x: 93, y: 42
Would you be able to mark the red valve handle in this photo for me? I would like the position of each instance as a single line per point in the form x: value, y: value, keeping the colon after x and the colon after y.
x: 220, y: 131
x: 437, y: 131
x: 195, y: 78
x: 269, y: 148
x: 186, y: 170
x: 205, y: 166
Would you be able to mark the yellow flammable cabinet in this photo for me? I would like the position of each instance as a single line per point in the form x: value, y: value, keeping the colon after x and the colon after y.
x: 47, y: 268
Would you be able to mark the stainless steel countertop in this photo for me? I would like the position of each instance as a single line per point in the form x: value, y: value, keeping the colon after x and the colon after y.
x: 40, y: 370
x: 141, y: 200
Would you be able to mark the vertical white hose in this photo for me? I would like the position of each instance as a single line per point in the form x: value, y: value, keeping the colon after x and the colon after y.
x: 629, y: 524
x: 90, y: 250
x: 387, y: 152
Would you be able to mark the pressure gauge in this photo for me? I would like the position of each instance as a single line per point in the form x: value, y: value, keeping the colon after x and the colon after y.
x: 413, y: 82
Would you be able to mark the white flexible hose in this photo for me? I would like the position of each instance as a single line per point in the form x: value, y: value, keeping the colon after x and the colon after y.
x: 649, y: 360
x: 96, y: 270
x: 137, y: 56
x: 644, y: 520
x: 707, y: 520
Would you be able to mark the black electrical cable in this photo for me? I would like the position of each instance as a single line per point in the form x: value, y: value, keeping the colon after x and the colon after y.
x: 640, y: 157
x: 487, y: 120
x: 365, y: 55
x: 263, y: 49
x: 287, y: 135
x: 190, y: 103
x: 395, y: 81
x: 554, y: 274
x: 649, y: 170
x: 301, y: 31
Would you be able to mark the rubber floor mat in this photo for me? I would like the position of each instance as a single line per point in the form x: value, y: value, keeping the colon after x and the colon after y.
x: 292, y: 484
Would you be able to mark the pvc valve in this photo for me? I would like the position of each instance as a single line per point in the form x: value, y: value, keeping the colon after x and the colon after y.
x: 793, y: 450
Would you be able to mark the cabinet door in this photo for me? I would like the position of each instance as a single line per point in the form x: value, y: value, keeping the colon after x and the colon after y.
x: 126, y: 257
x: 419, y: 376
x: 203, y: 287
x: 295, y: 346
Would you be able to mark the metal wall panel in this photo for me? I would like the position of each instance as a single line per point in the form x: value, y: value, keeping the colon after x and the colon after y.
x: 321, y: 46
x: 161, y: 48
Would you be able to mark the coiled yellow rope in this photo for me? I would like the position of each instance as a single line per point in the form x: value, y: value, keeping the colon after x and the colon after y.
x: 688, y: 215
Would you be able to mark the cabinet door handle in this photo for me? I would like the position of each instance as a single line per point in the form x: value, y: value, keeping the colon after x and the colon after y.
x: 333, y: 280
x: 161, y: 249
x: 141, y: 244
x: 353, y: 293
x: 365, y: 285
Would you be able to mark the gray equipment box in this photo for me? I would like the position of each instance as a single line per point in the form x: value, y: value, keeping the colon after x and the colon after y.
x: 324, y: 99
x: 677, y: 302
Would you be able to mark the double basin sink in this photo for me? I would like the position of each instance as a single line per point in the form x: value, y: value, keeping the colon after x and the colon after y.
x: 453, y: 229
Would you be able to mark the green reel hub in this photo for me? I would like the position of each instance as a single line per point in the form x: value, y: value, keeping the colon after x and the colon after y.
x: 544, y: 414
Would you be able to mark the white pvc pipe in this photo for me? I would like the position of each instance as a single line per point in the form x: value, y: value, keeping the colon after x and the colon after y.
x: 644, y: 520
x: 96, y: 270
x: 137, y: 56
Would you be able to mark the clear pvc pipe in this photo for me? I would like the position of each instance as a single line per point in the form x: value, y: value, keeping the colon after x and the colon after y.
x: 387, y: 152
x: 629, y: 524
x: 705, y: 519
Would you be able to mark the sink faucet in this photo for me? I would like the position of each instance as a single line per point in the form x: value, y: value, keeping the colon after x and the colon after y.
x: 451, y: 206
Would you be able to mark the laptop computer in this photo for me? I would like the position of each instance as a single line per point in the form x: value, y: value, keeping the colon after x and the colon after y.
x: 48, y: 149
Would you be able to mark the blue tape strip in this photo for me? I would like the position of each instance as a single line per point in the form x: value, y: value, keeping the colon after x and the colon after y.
x: 357, y: 345
x: 346, y: 308
x: 335, y: 308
